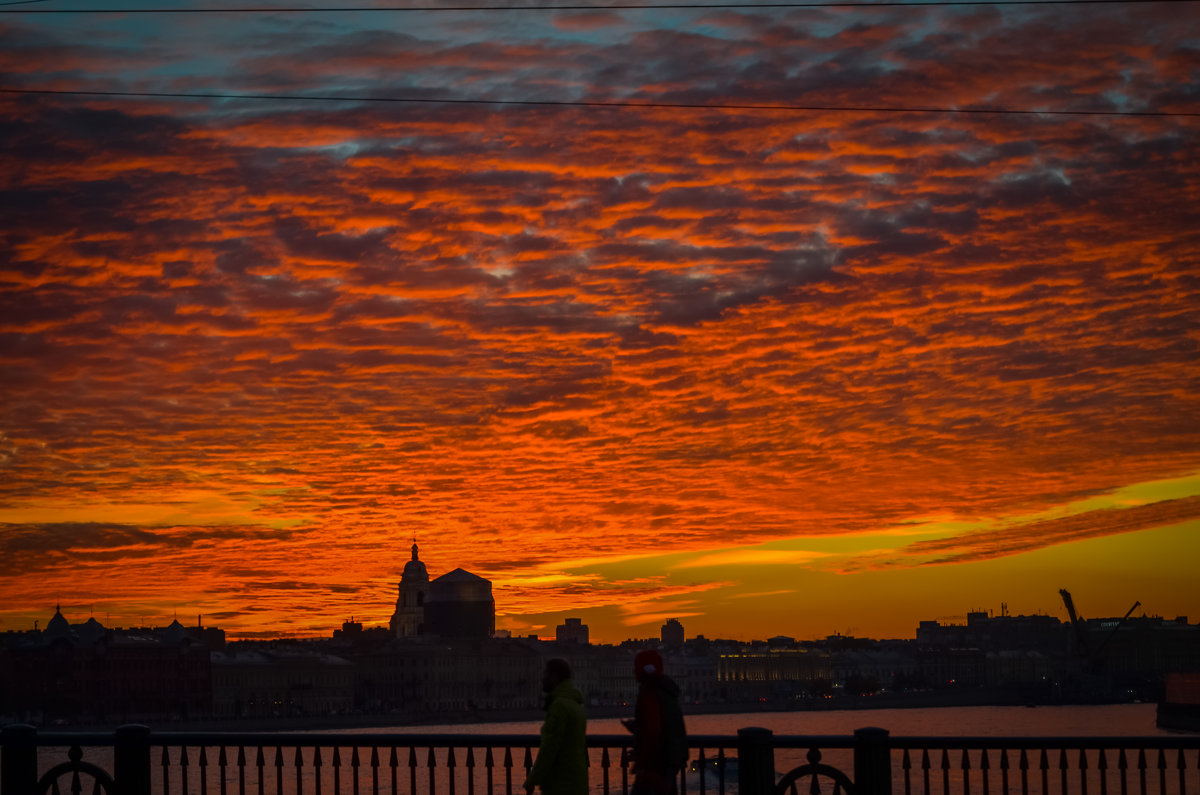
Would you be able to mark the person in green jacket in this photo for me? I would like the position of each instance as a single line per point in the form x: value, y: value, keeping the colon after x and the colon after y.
x: 561, y: 766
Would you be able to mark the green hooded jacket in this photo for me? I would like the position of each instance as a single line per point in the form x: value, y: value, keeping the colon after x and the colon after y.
x: 561, y: 766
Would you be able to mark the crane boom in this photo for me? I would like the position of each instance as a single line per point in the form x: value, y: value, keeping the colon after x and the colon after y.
x: 1076, y: 622
x: 1113, y: 633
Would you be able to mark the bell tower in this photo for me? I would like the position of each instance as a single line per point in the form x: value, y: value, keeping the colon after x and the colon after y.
x: 409, y: 618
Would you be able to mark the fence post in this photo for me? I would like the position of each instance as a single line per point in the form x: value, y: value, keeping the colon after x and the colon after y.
x: 872, y: 762
x: 131, y: 760
x: 18, y: 760
x: 756, y: 761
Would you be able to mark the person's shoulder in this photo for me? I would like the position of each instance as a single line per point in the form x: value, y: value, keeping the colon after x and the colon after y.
x: 667, y: 685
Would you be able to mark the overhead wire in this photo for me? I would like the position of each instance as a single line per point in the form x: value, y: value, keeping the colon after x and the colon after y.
x: 575, y: 7
x: 622, y: 104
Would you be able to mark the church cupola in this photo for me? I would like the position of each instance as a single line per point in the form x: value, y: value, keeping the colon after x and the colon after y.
x: 409, y: 618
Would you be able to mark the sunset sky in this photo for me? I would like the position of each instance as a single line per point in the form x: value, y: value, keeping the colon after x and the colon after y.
x: 839, y: 364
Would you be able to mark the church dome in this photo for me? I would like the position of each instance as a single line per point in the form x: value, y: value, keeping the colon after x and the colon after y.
x: 91, y: 631
x: 414, y: 570
x: 58, y: 627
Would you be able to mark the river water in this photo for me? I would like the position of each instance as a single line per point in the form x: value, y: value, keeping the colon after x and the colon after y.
x: 1105, y: 720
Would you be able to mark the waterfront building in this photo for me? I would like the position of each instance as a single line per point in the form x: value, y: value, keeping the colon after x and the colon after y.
x: 280, y: 682
x: 753, y: 673
x: 90, y: 673
x: 994, y: 633
x: 428, y: 675
x: 672, y: 633
x: 572, y: 631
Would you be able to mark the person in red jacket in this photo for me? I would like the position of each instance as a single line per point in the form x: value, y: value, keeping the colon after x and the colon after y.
x: 659, y: 737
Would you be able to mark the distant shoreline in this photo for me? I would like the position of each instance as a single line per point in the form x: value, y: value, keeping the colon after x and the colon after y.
x: 407, y: 720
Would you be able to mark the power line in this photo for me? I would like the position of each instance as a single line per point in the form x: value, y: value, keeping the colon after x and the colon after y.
x: 601, y: 104
x: 618, y: 7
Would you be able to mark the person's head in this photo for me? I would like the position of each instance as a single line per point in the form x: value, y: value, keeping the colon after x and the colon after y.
x: 647, y: 665
x: 557, y: 671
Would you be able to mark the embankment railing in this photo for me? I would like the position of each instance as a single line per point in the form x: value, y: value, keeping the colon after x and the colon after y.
x: 133, y: 760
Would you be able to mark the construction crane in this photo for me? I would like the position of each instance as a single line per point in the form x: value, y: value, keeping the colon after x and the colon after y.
x: 1077, y: 622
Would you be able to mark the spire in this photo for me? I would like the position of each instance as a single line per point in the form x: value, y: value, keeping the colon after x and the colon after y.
x: 414, y: 549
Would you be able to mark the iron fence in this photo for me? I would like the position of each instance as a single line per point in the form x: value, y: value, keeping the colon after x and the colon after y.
x: 134, y: 760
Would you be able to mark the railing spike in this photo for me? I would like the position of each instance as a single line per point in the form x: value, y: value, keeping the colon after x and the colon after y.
x: 299, y: 761
x: 374, y: 756
x: 450, y: 762
x: 925, y: 765
x: 487, y: 758
x: 431, y: 759
x: 470, y: 757
x: 984, y: 763
x: 317, y: 757
x: 166, y: 758
x: 261, y: 760
x: 966, y: 760
x: 508, y: 762
x: 394, y: 761
x: 1023, y: 764
x: 337, y: 756
x: 241, y: 759
x: 412, y: 756
x: 221, y: 757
